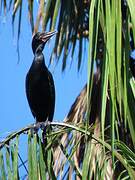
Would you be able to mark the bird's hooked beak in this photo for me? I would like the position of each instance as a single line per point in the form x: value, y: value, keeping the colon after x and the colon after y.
x: 45, y: 36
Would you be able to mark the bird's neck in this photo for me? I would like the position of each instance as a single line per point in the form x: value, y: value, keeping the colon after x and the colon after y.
x: 38, y: 49
x: 39, y: 62
x: 39, y: 57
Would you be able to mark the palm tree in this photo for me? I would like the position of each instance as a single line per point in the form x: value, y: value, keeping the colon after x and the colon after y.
x: 97, y: 138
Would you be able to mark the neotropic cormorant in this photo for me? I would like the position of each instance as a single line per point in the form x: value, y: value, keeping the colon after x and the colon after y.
x: 40, y: 88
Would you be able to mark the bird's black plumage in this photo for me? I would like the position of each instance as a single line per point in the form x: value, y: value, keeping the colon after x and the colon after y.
x: 40, y: 88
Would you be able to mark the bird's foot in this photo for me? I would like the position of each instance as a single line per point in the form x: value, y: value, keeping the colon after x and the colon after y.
x: 35, y: 128
x: 43, y: 125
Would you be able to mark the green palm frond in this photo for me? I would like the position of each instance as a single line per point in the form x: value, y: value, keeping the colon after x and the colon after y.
x: 65, y: 157
x: 96, y: 160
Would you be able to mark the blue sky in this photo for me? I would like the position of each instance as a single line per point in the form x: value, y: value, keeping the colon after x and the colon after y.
x: 14, y: 111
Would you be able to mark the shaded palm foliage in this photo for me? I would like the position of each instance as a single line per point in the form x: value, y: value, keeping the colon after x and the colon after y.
x: 98, y: 137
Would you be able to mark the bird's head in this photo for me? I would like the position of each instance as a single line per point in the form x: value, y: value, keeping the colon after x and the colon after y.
x: 39, y: 40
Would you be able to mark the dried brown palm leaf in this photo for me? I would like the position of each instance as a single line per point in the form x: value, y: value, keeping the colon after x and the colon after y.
x: 77, y: 141
x: 75, y: 116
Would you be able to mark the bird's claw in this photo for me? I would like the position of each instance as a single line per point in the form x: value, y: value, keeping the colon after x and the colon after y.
x: 35, y: 128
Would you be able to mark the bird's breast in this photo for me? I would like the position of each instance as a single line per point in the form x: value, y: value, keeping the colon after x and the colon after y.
x: 39, y: 76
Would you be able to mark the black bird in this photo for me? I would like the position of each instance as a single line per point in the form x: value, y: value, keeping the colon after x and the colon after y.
x: 40, y: 88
